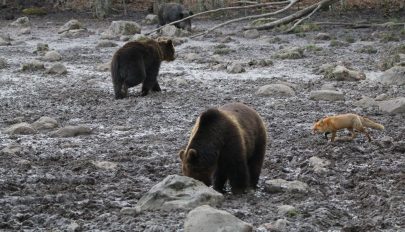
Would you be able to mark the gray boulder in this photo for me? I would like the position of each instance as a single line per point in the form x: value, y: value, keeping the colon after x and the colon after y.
x: 151, y: 19
x: 25, y: 31
x: 52, y: 56
x: 33, y: 65
x: 75, y: 33
x: 365, y: 102
x: 4, y: 41
x: 287, y: 210
x: 57, y: 68
x: 251, y: 34
x: 21, y: 22
x: 45, y: 123
x: 73, y: 24
x: 394, y: 76
x: 42, y: 48
x: 341, y: 73
x: 22, y: 128
x: 178, y: 192
x: 235, y: 68
x: 275, y: 90
x: 323, y: 36
x: 280, y: 185
x: 118, y: 28
x: 170, y: 31
x: 290, y: 53
x: 326, y: 95
x: 72, y: 131
x: 393, y: 106
x: 11, y: 149
x: 207, y: 219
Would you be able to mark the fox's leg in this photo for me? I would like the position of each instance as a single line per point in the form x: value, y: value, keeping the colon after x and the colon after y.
x: 352, y: 132
x: 364, y: 131
x: 332, y: 139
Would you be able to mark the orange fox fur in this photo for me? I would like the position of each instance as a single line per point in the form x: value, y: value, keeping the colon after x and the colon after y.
x: 352, y: 122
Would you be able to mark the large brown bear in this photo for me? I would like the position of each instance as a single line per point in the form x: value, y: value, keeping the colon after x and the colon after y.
x: 139, y: 62
x: 226, y: 143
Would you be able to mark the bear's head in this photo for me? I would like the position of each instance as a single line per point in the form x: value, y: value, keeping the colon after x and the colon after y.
x: 167, y: 48
x: 193, y: 165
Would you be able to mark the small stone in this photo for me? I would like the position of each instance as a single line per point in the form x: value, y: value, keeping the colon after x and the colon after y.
x: 3, y: 63
x: 42, y: 48
x: 118, y: 28
x: 275, y: 90
x: 381, y: 97
x: 57, y: 69
x: 73, y: 227
x: 326, y: 95
x: 319, y: 165
x: 287, y: 210
x: 4, y: 42
x: 170, y: 31
x: 11, y: 149
x: 125, y: 38
x: 34, y: 65
x: 235, y: 68
x: 52, y: 56
x: 75, y: 33
x: 365, y: 102
x: 280, y: 185
x: 139, y: 37
x: 106, y: 44
x: 251, y: 34
x: 129, y: 211
x: 206, y: 219
x: 341, y: 73
x: 328, y: 86
x: 107, y: 165
x: 323, y: 36
x: 20, y: 128
x: 191, y: 57
x: 25, y: 31
x: 70, y: 25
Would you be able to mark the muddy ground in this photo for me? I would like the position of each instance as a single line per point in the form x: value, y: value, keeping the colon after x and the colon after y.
x: 52, y: 183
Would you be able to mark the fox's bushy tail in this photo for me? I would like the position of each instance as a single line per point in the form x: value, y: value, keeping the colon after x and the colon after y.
x: 368, y: 123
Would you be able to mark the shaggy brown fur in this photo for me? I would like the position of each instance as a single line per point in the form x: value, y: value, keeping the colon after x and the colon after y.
x: 226, y: 143
x: 139, y: 62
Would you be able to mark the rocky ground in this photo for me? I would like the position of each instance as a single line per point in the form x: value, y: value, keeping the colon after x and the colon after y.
x: 51, y: 179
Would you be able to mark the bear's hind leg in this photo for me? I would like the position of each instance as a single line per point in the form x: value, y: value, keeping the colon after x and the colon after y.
x: 238, y: 176
x: 156, y: 87
x: 255, y: 164
x: 118, y: 86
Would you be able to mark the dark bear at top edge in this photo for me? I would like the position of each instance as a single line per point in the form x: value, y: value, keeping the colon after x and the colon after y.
x: 226, y: 144
x: 139, y: 62
x: 170, y: 12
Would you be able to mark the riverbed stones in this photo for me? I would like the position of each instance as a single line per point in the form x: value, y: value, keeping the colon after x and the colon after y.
x: 45, y: 123
x: 52, y: 56
x: 72, y: 24
x: 33, y: 65
x: 5, y: 40
x: 170, y: 31
x: 25, y: 31
x: 341, y: 73
x: 326, y: 95
x: 178, y: 192
x: 105, y: 67
x: 394, y: 76
x: 76, y: 33
x: 107, y: 165
x: 11, y: 149
x: 323, y: 36
x: 57, y: 69
x: 393, y: 106
x: 275, y: 90
x: 318, y: 164
x: 22, y: 128
x: 287, y: 210
x: 72, y: 131
x: 207, y: 219
x: 235, y: 68
x: 280, y: 185
x: 21, y: 22
x: 42, y: 48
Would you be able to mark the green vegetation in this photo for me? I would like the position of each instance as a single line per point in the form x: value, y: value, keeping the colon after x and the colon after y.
x: 389, y: 37
x: 34, y: 11
x: 313, y: 48
x: 368, y: 49
x: 337, y: 43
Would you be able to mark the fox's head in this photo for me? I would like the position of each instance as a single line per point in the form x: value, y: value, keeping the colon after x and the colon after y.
x: 318, y: 126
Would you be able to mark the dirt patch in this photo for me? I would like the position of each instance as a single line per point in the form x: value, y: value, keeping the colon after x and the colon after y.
x: 53, y: 183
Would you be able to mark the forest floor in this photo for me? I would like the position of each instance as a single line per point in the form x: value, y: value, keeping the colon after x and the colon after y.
x: 52, y: 183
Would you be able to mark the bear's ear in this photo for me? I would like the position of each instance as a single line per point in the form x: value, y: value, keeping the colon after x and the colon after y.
x: 181, y: 14
x: 192, y: 156
x: 190, y: 13
x: 181, y: 154
x: 169, y: 42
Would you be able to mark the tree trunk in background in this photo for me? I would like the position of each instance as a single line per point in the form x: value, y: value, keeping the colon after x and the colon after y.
x: 102, y: 8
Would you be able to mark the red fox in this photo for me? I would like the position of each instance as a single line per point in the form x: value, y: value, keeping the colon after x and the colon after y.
x: 352, y: 122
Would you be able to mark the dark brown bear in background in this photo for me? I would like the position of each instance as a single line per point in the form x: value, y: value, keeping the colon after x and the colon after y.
x: 139, y: 62
x: 170, y: 12
x: 226, y: 143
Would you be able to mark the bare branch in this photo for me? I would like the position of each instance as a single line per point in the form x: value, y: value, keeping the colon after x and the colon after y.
x: 291, y: 3
x: 304, y: 18
x: 292, y: 17
x: 222, y: 9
